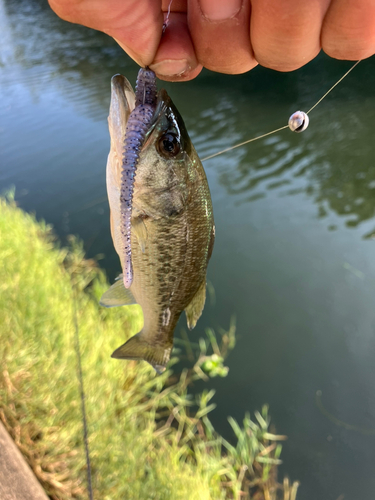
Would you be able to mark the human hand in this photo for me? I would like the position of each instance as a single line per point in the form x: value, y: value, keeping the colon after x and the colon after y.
x: 229, y: 36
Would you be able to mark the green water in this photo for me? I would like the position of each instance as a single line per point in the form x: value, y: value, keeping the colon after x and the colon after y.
x: 294, y: 259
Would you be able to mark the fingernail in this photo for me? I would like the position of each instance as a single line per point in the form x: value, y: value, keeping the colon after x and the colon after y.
x: 170, y: 67
x: 219, y: 10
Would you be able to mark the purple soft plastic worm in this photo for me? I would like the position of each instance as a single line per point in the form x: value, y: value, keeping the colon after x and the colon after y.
x: 136, y: 129
x: 145, y: 88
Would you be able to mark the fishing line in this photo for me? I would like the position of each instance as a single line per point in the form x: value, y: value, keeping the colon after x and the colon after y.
x: 82, y: 394
x: 166, y: 21
x: 245, y: 142
x: 285, y: 126
x: 341, y: 79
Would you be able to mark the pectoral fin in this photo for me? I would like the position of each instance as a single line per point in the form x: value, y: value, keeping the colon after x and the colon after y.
x: 194, y: 310
x: 138, y: 348
x: 140, y: 231
x: 117, y: 295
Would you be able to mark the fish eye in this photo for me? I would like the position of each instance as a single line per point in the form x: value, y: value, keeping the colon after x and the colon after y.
x: 169, y: 145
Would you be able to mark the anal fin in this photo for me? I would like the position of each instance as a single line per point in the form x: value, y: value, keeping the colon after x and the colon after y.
x: 194, y: 310
x: 117, y: 295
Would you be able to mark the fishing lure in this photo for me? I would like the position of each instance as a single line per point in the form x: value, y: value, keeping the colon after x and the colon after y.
x: 136, y: 129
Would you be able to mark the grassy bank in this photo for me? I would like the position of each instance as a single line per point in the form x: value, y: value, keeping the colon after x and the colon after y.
x: 149, y: 438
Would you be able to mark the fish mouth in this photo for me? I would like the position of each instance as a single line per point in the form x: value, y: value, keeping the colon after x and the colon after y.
x: 122, y: 95
x: 122, y: 104
x: 165, y: 118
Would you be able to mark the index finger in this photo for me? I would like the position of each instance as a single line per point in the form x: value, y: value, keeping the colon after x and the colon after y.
x: 136, y: 25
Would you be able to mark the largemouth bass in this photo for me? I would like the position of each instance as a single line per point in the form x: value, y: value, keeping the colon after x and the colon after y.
x: 161, y: 216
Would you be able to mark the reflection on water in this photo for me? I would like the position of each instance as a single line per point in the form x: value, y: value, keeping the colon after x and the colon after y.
x: 292, y: 211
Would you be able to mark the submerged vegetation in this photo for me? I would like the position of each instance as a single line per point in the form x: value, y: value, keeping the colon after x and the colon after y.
x: 149, y: 437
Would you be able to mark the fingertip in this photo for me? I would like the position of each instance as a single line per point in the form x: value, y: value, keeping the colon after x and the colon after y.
x: 349, y: 53
x: 349, y: 30
x: 288, y: 64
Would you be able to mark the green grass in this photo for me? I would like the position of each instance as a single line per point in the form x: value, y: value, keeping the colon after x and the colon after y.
x: 149, y: 438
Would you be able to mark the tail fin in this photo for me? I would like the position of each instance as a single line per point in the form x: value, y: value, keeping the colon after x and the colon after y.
x: 137, y: 348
